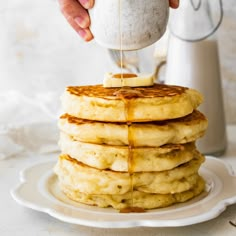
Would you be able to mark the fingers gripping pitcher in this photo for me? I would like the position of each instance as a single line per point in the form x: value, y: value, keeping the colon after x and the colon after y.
x: 193, y: 61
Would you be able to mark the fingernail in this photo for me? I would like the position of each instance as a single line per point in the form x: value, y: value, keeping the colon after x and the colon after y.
x: 85, y: 3
x: 85, y: 34
x: 175, y: 3
x: 81, y: 22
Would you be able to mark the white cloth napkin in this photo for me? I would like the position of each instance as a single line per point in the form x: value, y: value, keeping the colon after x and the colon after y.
x: 28, y: 124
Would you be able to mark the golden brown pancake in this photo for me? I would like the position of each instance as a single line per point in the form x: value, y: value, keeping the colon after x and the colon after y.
x: 130, y: 147
x: 117, y: 157
x: 151, y: 134
x: 86, y: 179
x: 157, y: 102
x: 136, y: 199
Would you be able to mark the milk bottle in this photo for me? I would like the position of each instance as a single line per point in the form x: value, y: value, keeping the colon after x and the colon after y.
x: 193, y: 61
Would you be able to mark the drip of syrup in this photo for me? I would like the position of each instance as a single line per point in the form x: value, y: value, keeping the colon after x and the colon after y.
x: 129, y: 117
x: 125, y: 94
x: 121, y: 43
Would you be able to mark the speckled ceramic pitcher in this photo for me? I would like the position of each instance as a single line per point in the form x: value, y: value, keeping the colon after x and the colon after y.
x: 134, y: 23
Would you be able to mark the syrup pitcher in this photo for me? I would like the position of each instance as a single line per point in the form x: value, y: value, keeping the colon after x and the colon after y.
x: 193, y: 61
x: 128, y: 24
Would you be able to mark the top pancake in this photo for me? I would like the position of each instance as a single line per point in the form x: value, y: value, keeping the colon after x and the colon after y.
x: 157, y: 102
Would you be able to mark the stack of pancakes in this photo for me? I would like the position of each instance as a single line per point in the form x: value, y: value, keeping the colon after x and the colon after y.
x: 130, y: 148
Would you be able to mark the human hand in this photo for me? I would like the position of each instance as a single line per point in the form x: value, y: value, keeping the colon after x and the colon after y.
x: 76, y: 13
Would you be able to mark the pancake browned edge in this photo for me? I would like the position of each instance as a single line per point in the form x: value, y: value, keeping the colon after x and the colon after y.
x: 138, y: 199
x: 152, y: 134
x: 117, y: 157
x: 157, y: 102
x: 87, y: 179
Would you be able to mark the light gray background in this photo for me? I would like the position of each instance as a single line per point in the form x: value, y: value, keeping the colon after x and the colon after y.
x: 40, y: 53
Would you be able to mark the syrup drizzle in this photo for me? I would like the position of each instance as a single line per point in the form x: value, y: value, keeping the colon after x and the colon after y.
x: 121, y: 43
x: 126, y: 94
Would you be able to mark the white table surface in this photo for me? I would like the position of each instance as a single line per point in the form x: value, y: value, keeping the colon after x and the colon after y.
x: 17, y: 220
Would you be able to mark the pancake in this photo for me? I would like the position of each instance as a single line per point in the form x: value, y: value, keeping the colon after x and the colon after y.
x: 135, y: 199
x: 157, y: 102
x: 80, y: 177
x: 130, y: 147
x: 151, y: 134
x: 117, y: 157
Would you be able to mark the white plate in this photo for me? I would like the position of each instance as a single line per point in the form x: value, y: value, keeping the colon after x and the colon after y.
x: 38, y: 189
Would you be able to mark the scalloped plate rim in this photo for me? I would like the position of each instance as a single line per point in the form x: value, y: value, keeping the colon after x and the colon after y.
x: 125, y: 223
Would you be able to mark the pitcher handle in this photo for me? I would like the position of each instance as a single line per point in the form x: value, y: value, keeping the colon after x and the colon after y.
x: 157, y: 70
x: 210, y: 33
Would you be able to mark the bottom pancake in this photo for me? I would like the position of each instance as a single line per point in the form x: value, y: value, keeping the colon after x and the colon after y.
x: 86, y: 179
x: 136, y: 199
